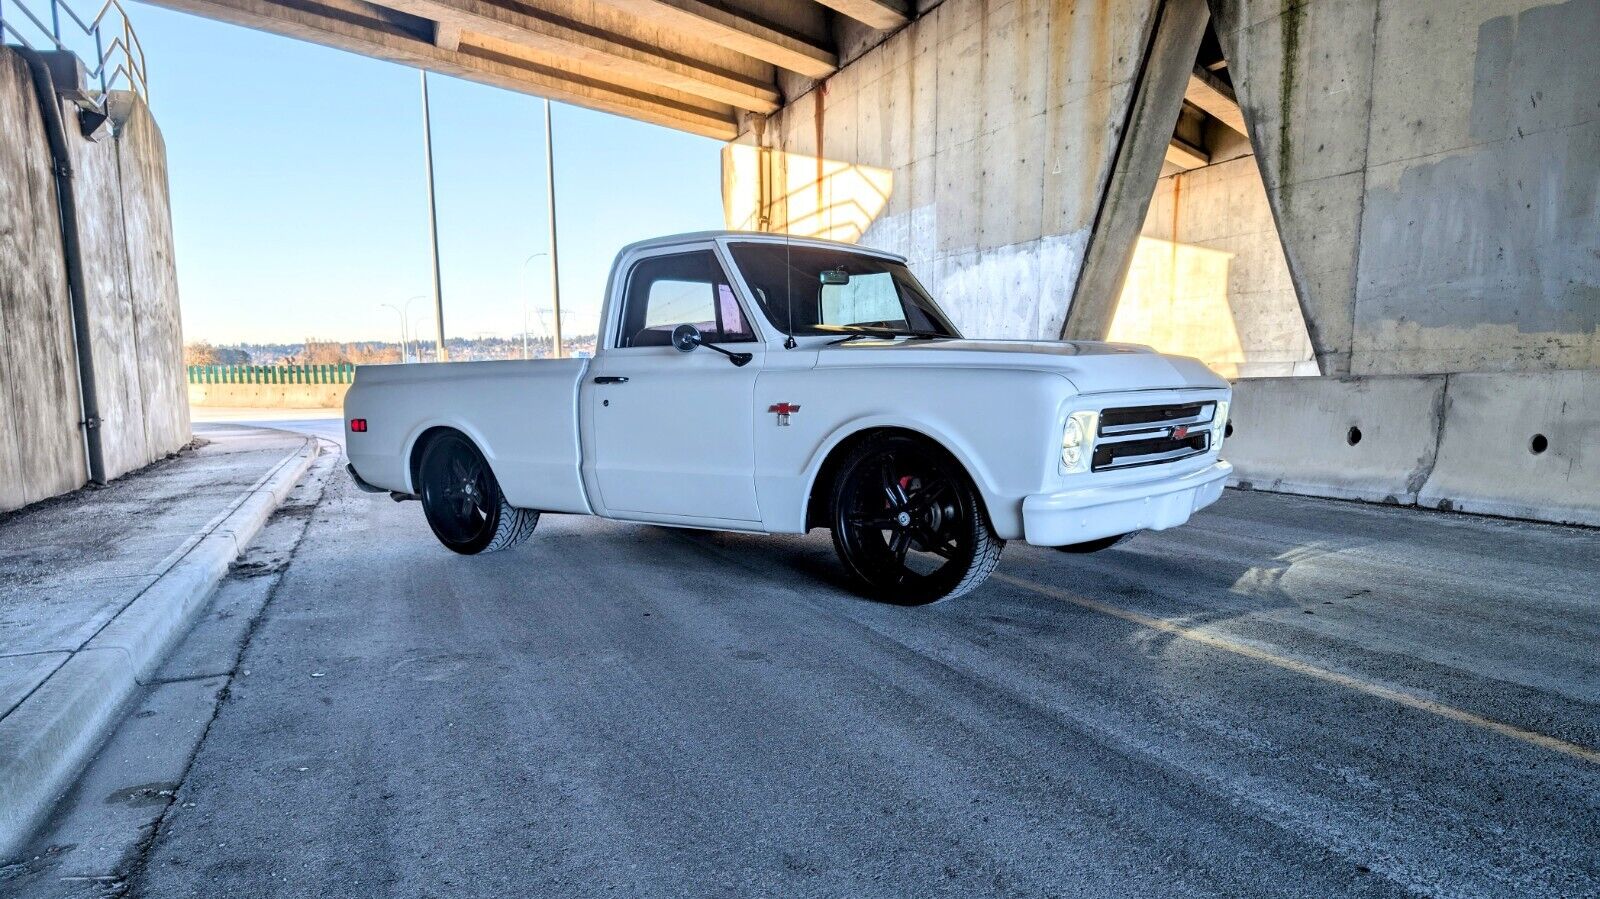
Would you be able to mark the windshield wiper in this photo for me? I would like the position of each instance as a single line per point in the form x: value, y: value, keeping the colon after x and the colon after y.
x: 886, y: 332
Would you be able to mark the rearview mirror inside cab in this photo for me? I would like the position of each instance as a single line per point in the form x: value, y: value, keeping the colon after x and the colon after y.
x: 837, y: 277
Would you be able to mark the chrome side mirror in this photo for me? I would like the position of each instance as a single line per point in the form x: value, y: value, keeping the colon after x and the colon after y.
x: 686, y: 338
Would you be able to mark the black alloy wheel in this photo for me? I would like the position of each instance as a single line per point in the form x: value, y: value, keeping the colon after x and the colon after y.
x: 908, y: 524
x: 463, y: 502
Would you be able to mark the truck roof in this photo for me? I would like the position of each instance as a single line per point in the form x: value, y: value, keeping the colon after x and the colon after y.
x: 754, y: 236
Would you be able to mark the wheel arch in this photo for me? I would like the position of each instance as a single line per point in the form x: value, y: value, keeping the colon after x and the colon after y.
x: 833, y: 452
x: 425, y: 436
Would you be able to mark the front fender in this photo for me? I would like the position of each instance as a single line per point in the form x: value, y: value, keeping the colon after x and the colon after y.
x: 1007, y: 521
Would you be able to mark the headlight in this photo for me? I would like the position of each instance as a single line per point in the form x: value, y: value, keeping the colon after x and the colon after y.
x: 1077, y: 441
x: 1219, y: 424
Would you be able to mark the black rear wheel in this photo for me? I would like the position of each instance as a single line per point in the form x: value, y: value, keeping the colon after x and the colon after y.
x: 463, y: 502
x: 908, y: 524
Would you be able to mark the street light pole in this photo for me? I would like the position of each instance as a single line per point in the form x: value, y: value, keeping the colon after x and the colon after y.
x: 555, y: 253
x: 433, y: 225
x: 527, y: 296
x: 402, y: 316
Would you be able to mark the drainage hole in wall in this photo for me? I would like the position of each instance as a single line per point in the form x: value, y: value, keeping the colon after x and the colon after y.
x: 1539, y: 444
x: 1353, y: 436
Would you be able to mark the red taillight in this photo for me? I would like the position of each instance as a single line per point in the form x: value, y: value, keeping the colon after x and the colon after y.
x: 358, y: 426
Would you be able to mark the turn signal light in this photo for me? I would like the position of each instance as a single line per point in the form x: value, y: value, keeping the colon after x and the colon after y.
x: 358, y: 426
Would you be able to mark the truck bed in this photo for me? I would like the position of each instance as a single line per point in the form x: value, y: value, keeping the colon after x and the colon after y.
x: 523, y: 415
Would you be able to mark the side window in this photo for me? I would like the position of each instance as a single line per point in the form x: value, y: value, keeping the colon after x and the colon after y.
x: 687, y: 288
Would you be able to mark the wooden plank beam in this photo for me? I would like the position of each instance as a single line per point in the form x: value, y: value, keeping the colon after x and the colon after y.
x: 1213, y: 95
x: 565, y: 39
x: 705, y: 21
x: 361, y: 27
x: 884, y: 15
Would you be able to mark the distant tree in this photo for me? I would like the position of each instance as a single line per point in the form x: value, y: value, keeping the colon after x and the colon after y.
x: 203, y: 353
x: 322, y: 352
x: 371, y: 353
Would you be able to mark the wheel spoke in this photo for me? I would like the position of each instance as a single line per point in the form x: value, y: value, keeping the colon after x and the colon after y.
x: 892, y: 490
x: 931, y: 492
x: 899, y: 545
x: 866, y: 520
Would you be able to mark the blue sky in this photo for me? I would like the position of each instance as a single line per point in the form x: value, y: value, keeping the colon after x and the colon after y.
x: 299, y: 204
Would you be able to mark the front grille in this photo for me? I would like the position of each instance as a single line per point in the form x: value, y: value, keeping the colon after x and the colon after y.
x: 1151, y: 435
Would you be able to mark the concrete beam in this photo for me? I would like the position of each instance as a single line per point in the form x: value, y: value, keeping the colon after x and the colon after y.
x: 1213, y: 95
x: 707, y: 21
x: 1185, y: 155
x: 1146, y: 140
x: 566, y: 40
x: 375, y: 31
x: 446, y: 36
x: 884, y: 15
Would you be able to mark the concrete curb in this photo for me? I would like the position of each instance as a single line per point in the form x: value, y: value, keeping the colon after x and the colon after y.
x: 47, y: 739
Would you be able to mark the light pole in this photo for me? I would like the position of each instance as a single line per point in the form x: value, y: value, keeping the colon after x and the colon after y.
x: 402, y: 316
x: 555, y: 252
x: 527, y: 296
x: 433, y: 224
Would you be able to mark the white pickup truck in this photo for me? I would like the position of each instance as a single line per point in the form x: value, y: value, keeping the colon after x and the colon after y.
x: 752, y: 382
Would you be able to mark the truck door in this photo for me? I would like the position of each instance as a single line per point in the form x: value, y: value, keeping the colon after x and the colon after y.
x: 673, y: 431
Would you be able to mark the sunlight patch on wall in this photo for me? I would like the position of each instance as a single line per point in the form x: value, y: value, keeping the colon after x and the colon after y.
x: 1176, y: 299
x: 771, y: 190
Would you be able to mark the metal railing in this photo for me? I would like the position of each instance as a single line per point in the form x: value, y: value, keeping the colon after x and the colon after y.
x: 343, y: 373
x: 118, y: 56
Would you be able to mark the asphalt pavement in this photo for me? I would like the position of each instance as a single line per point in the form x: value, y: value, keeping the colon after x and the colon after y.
x: 1286, y: 697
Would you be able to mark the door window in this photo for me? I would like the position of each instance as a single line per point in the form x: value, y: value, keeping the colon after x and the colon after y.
x: 685, y: 288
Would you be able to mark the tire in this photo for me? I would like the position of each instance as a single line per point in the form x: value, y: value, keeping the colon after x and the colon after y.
x: 1094, y: 546
x: 908, y: 524
x: 463, y: 502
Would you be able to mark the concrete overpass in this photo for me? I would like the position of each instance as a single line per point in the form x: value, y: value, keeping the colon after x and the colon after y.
x: 1374, y: 189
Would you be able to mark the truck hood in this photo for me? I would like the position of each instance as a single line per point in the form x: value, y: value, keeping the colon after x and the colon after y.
x: 1092, y: 367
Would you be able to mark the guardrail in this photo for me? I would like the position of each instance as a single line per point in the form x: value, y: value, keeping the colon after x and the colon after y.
x: 118, y: 56
x: 272, y: 374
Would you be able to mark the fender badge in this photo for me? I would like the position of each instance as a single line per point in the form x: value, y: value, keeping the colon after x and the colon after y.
x: 783, y: 410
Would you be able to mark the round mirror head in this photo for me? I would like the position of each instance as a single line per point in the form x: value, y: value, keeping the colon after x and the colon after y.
x: 685, y: 337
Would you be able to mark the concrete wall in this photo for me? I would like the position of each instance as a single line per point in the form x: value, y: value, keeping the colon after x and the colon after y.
x: 1523, y: 445
x: 1435, y: 170
x: 269, y: 396
x: 977, y: 141
x: 1208, y: 277
x: 130, y: 286
x: 41, y: 448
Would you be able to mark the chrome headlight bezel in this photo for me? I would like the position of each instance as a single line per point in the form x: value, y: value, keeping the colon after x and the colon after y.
x: 1077, y: 441
x: 1219, y: 424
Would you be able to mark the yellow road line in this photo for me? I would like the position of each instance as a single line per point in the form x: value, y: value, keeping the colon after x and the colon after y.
x: 1236, y: 647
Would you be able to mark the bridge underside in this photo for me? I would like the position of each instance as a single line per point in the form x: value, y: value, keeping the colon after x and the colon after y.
x: 686, y: 64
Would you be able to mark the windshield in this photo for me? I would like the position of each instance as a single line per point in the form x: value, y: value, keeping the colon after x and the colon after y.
x: 837, y: 292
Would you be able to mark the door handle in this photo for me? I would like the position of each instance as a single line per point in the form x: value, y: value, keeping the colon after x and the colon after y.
x: 610, y: 379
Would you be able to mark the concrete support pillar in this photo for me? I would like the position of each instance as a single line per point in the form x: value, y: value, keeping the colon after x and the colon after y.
x: 1303, y: 76
x: 1168, y: 60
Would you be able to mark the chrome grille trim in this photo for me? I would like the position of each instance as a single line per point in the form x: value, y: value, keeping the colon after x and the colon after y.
x: 1143, y: 435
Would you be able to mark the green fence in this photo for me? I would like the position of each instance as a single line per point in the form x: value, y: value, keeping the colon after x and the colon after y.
x: 272, y: 374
